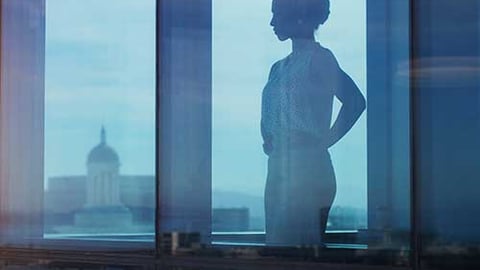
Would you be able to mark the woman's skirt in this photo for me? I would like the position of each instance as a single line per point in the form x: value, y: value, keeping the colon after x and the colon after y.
x: 299, y: 192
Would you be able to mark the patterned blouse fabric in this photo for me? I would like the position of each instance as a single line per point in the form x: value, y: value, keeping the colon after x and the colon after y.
x: 296, y: 115
x: 298, y: 96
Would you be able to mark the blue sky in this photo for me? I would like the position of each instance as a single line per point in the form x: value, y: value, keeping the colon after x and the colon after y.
x: 100, y: 70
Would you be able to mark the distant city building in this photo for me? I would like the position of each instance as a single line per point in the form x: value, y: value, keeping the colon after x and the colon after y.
x: 347, y: 218
x: 103, y: 201
x: 231, y: 219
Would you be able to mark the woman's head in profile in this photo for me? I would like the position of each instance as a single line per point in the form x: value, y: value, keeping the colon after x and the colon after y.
x: 298, y: 18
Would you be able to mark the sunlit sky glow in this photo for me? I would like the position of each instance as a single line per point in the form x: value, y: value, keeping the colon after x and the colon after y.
x: 100, y: 69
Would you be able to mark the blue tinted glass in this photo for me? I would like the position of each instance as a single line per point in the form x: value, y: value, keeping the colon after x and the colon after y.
x: 447, y: 132
x: 100, y: 119
x: 286, y: 124
x: 240, y: 73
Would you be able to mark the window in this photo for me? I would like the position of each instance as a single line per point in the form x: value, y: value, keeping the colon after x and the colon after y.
x: 87, y: 120
x: 348, y: 127
x: 195, y: 126
x: 217, y: 57
x: 100, y: 118
x: 243, y: 52
x: 447, y: 131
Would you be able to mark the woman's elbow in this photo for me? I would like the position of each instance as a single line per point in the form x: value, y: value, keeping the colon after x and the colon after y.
x: 361, y: 104
x: 357, y: 105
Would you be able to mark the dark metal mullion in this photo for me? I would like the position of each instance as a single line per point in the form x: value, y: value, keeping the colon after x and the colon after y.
x: 389, y: 117
x: 158, y: 47
x: 414, y: 183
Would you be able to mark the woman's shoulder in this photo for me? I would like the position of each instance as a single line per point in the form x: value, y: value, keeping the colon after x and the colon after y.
x: 324, y: 56
x: 280, y: 62
x: 324, y: 66
x: 277, y: 65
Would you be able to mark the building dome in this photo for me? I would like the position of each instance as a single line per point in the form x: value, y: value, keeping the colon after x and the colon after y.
x: 102, y: 153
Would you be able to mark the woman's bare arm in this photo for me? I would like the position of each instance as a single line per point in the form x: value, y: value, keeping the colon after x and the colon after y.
x: 353, y: 105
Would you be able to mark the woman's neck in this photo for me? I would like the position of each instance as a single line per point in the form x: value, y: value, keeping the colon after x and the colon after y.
x: 302, y: 44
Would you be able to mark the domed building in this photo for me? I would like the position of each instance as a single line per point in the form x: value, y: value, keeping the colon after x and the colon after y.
x: 101, y: 201
x: 102, y: 153
x: 102, y: 175
x: 103, y: 204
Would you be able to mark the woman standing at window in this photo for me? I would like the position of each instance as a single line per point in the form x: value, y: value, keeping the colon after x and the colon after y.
x: 297, y: 104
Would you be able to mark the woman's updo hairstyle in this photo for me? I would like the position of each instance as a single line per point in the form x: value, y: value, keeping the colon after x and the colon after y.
x: 313, y: 12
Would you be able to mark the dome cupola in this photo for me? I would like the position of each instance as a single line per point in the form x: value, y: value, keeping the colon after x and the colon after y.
x: 102, y: 153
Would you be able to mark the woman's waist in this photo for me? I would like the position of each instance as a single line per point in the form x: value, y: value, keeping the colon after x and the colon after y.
x: 300, y: 152
x: 299, y: 138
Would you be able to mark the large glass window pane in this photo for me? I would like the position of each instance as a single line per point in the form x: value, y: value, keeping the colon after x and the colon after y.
x: 279, y: 134
x: 242, y: 59
x: 100, y: 119
x: 447, y: 131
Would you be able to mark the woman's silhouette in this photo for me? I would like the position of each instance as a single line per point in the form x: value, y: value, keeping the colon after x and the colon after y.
x: 296, y: 116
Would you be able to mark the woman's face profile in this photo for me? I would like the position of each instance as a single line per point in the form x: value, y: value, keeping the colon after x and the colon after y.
x: 287, y: 23
x: 284, y: 23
